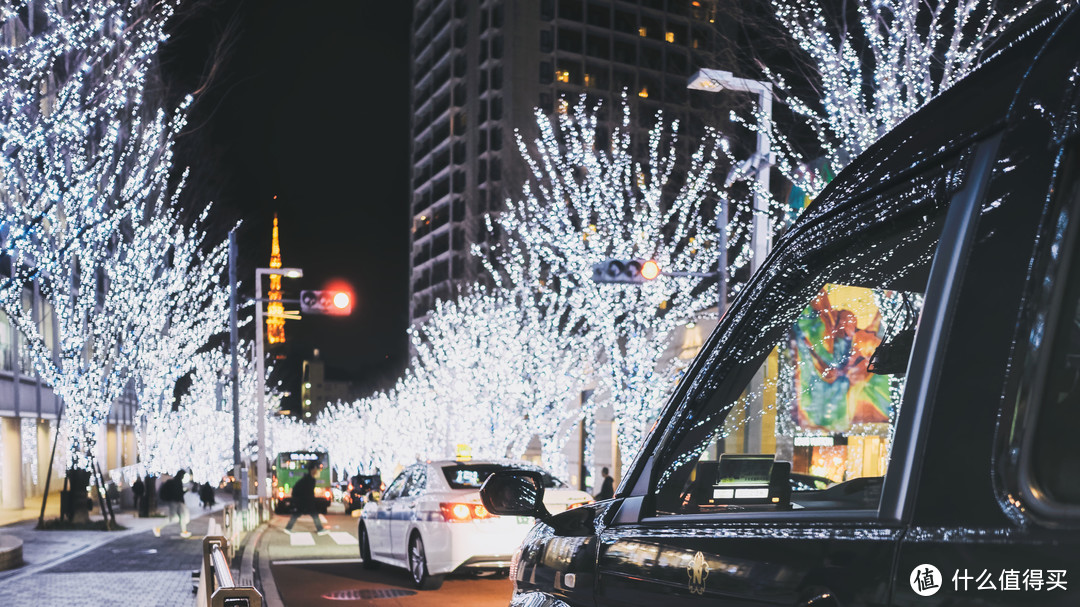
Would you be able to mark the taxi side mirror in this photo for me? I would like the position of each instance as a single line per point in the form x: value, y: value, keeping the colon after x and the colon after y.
x: 515, y: 493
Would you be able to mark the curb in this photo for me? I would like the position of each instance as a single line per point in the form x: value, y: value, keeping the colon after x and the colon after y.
x: 11, y: 553
x: 271, y: 598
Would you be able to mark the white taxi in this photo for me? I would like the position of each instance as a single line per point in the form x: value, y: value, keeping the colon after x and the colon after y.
x: 431, y: 521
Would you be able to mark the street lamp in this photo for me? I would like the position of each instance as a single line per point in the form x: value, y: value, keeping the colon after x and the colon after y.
x: 260, y: 372
x: 761, y: 232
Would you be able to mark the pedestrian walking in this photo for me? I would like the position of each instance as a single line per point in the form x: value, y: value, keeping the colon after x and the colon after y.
x: 206, y: 495
x: 172, y: 493
x: 303, y: 499
x: 607, y: 489
x: 137, y: 489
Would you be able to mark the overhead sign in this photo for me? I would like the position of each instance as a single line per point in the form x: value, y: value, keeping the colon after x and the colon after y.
x: 333, y: 303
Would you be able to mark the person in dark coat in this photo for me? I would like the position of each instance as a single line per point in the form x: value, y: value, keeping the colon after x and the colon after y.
x: 607, y: 490
x: 137, y: 489
x: 303, y: 499
x: 206, y: 495
x: 172, y: 493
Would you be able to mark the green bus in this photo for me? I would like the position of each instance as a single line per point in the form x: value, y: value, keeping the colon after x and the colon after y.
x: 289, y: 467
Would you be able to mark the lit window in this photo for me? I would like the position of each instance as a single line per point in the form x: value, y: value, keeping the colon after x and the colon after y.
x: 696, y: 43
x: 564, y: 107
x: 562, y: 75
x: 588, y: 80
x: 644, y: 92
x: 642, y: 31
x: 670, y: 36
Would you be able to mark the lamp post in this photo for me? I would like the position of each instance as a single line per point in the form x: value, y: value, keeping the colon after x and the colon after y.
x: 260, y: 371
x: 761, y: 231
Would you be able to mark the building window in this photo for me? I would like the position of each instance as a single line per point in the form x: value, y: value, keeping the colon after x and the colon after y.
x: 643, y: 31
x: 588, y: 80
x: 669, y: 36
x: 644, y: 92
x: 562, y: 75
x: 547, y: 73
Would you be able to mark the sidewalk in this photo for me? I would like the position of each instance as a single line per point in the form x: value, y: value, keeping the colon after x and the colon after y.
x: 93, y: 568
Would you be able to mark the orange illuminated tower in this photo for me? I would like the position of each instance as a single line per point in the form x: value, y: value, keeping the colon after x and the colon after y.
x: 275, y: 310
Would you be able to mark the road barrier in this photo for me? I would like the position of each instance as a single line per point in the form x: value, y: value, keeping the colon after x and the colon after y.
x: 216, y: 585
x: 237, y: 521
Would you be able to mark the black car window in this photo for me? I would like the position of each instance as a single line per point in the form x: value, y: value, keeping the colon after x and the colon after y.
x: 472, y: 476
x: 1053, y: 454
x: 417, y: 482
x: 396, y: 487
x: 799, y: 407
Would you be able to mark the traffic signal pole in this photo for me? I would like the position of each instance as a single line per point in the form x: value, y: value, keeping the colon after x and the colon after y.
x: 240, y: 493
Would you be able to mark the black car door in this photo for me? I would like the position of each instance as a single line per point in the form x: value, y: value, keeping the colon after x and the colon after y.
x: 808, y: 377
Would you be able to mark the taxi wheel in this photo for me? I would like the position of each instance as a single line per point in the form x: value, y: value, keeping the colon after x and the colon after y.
x: 418, y: 566
x: 365, y: 549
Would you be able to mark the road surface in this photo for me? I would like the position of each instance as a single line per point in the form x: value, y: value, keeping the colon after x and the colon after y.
x: 323, y: 571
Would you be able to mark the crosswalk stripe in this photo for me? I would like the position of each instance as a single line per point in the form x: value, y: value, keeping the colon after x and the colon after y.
x: 301, y: 538
x: 343, y: 538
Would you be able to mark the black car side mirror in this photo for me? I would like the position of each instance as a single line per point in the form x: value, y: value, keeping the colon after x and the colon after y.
x: 515, y: 493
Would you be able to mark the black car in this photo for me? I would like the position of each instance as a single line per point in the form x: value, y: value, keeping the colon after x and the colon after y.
x: 915, y: 336
x: 358, y: 490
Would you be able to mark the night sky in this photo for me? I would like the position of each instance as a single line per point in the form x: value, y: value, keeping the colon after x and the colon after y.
x: 303, y: 110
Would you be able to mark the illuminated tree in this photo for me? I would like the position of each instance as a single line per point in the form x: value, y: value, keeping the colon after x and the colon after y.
x: 85, y: 192
x: 873, y: 74
x: 591, y: 200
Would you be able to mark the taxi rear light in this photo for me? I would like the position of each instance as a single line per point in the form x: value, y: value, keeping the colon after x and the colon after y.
x: 463, y: 513
x: 327, y: 494
x: 576, y: 504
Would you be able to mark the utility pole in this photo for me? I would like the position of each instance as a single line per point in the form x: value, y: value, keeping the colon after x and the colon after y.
x: 240, y: 494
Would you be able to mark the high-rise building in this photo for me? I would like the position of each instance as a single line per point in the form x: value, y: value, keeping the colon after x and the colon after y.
x: 481, y: 67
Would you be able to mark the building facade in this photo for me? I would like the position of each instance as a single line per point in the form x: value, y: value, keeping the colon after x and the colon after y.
x: 30, y: 414
x: 480, y: 70
x: 319, y: 388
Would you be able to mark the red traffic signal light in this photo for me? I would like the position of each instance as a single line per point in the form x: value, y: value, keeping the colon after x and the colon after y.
x: 650, y: 270
x: 331, y: 303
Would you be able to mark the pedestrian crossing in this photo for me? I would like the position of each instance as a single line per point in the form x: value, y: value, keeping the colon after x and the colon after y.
x: 306, y: 538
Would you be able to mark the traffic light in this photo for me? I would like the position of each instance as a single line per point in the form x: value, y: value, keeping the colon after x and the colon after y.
x: 626, y: 271
x: 332, y: 303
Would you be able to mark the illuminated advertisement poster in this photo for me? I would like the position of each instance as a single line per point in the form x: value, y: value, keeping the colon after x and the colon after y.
x: 833, y: 340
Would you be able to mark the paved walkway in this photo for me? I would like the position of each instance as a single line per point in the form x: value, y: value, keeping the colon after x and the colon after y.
x: 96, y: 568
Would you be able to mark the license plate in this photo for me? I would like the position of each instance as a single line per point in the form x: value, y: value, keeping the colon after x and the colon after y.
x: 525, y: 520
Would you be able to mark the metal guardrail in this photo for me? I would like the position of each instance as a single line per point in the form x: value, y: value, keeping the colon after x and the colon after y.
x: 216, y: 585
x: 237, y: 521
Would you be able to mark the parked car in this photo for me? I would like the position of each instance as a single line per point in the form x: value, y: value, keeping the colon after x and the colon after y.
x: 431, y: 521
x: 915, y: 336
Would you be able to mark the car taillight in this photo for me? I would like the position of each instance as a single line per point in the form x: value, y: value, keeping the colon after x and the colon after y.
x: 576, y: 504
x: 462, y: 513
x: 327, y: 494
x: 280, y: 493
x: 350, y: 487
